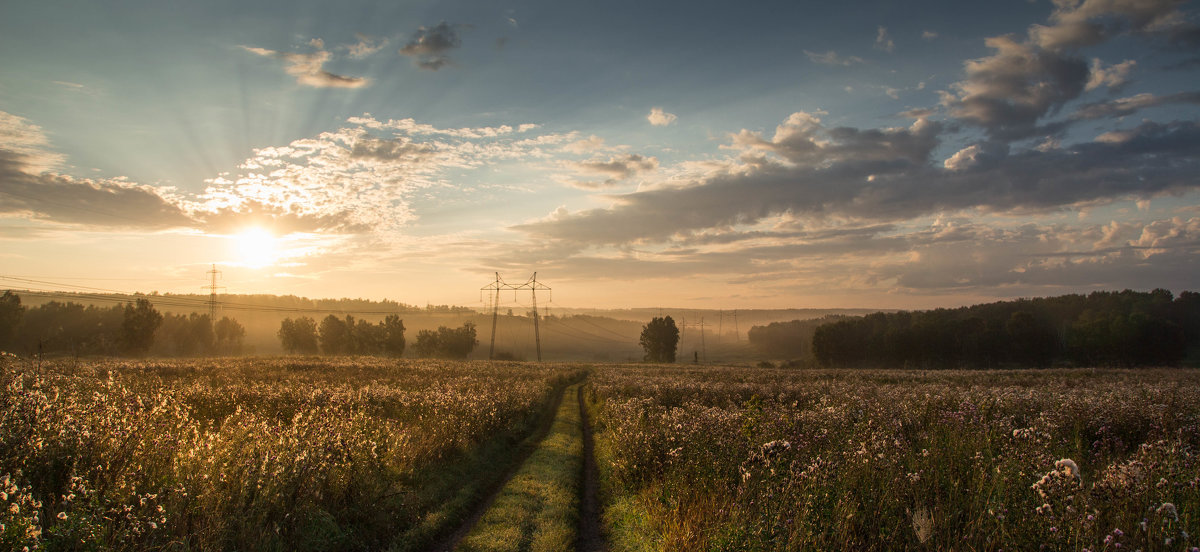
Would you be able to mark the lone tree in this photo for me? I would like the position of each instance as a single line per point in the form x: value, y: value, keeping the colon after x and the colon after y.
x: 139, y: 325
x: 660, y: 338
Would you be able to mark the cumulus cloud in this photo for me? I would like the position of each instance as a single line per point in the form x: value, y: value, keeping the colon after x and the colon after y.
x: 831, y: 57
x: 929, y: 35
x: 430, y: 46
x: 658, y: 117
x: 886, y: 175
x: 1008, y: 92
x: 308, y: 68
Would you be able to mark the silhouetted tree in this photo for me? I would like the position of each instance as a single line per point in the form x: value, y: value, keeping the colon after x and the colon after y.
x: 11, y: 312
x: 659, y: 339
x: 393, y: 335
x: 230, y: 335
x: 138, y: 326
x: 299, y: 335
x: 335, y: 336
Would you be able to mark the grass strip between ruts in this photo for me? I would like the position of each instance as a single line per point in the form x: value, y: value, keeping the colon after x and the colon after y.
x: 538, y: 510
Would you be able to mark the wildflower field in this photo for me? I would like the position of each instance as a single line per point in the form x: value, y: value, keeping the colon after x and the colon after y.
x: 749, y: 459
x: 257, y: 454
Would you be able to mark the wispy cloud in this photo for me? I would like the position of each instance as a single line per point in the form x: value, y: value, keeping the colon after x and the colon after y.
x: 308, y: 68
x: 883, y: 41
x: 614, y: 170
x: 832, y: 58
x: 366, y: 46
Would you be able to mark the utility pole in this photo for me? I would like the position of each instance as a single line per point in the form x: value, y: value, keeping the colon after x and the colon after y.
x: 720, y: 324
x: 737, y: 335
x: 703, y: 350
x: 537, y: 334
x: 495, y: 286
x: 212, y: 288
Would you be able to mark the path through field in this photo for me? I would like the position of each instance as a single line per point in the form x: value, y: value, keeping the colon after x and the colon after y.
x: 547, y: 503
x: 451, y: 542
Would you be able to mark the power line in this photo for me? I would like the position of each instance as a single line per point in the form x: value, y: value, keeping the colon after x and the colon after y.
x: 95, y: 294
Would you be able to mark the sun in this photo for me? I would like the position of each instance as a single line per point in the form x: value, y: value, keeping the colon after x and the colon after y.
x: 256, y: 247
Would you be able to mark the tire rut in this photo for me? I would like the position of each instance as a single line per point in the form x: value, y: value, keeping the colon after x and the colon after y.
x: 591, y: 537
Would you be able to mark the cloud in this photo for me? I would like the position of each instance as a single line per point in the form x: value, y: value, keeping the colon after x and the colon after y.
x: 1114, y: 77
x: 1077, y: 24
x: 658, y: 117
x: 430, y: 46
x: 928, y: 35
x: 885, y: 175
x: 366, y: 46
x: 977, y: 156
x: 1122, y: 107
x: 1008, y: 92
x: 614, y: 169
x: 104, y: 203
x: 883, y: 41
x: 832, y: 58
x: 26, y: 144
x: 307, y: 68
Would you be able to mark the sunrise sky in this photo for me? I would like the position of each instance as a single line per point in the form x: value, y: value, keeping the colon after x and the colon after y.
x: 690, y: 154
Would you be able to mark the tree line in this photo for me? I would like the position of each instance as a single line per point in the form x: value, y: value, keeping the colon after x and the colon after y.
x: 1125, y: 328
x: 347, y: 336
x: 134, y: 329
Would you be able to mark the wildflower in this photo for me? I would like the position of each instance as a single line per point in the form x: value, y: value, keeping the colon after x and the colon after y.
x: 14, y: 509
x: 1068, y: 467
x: 1168, y: 509
x: 62, y: 515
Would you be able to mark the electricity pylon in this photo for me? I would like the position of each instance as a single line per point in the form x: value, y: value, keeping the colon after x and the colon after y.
x: 500, y: 285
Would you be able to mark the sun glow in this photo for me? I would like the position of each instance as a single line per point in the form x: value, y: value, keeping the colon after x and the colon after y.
x: 256, y: 247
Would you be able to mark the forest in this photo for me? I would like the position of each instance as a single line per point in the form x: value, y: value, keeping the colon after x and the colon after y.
x: 1125, y: 328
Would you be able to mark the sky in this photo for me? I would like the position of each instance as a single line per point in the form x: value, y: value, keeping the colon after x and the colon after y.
x: 632, y: 154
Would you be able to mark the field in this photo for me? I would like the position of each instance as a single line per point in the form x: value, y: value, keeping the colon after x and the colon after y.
x: 286, y: 454
x: 372, y: 454
x: 736, y: 459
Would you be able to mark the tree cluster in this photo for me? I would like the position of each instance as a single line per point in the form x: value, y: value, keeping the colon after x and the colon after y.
x: 660, y: 339
x: 1124, y: 328
x: 343, y: 336
x: 135, y: 328
x: 195, y: 334
x: 454, y: 343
